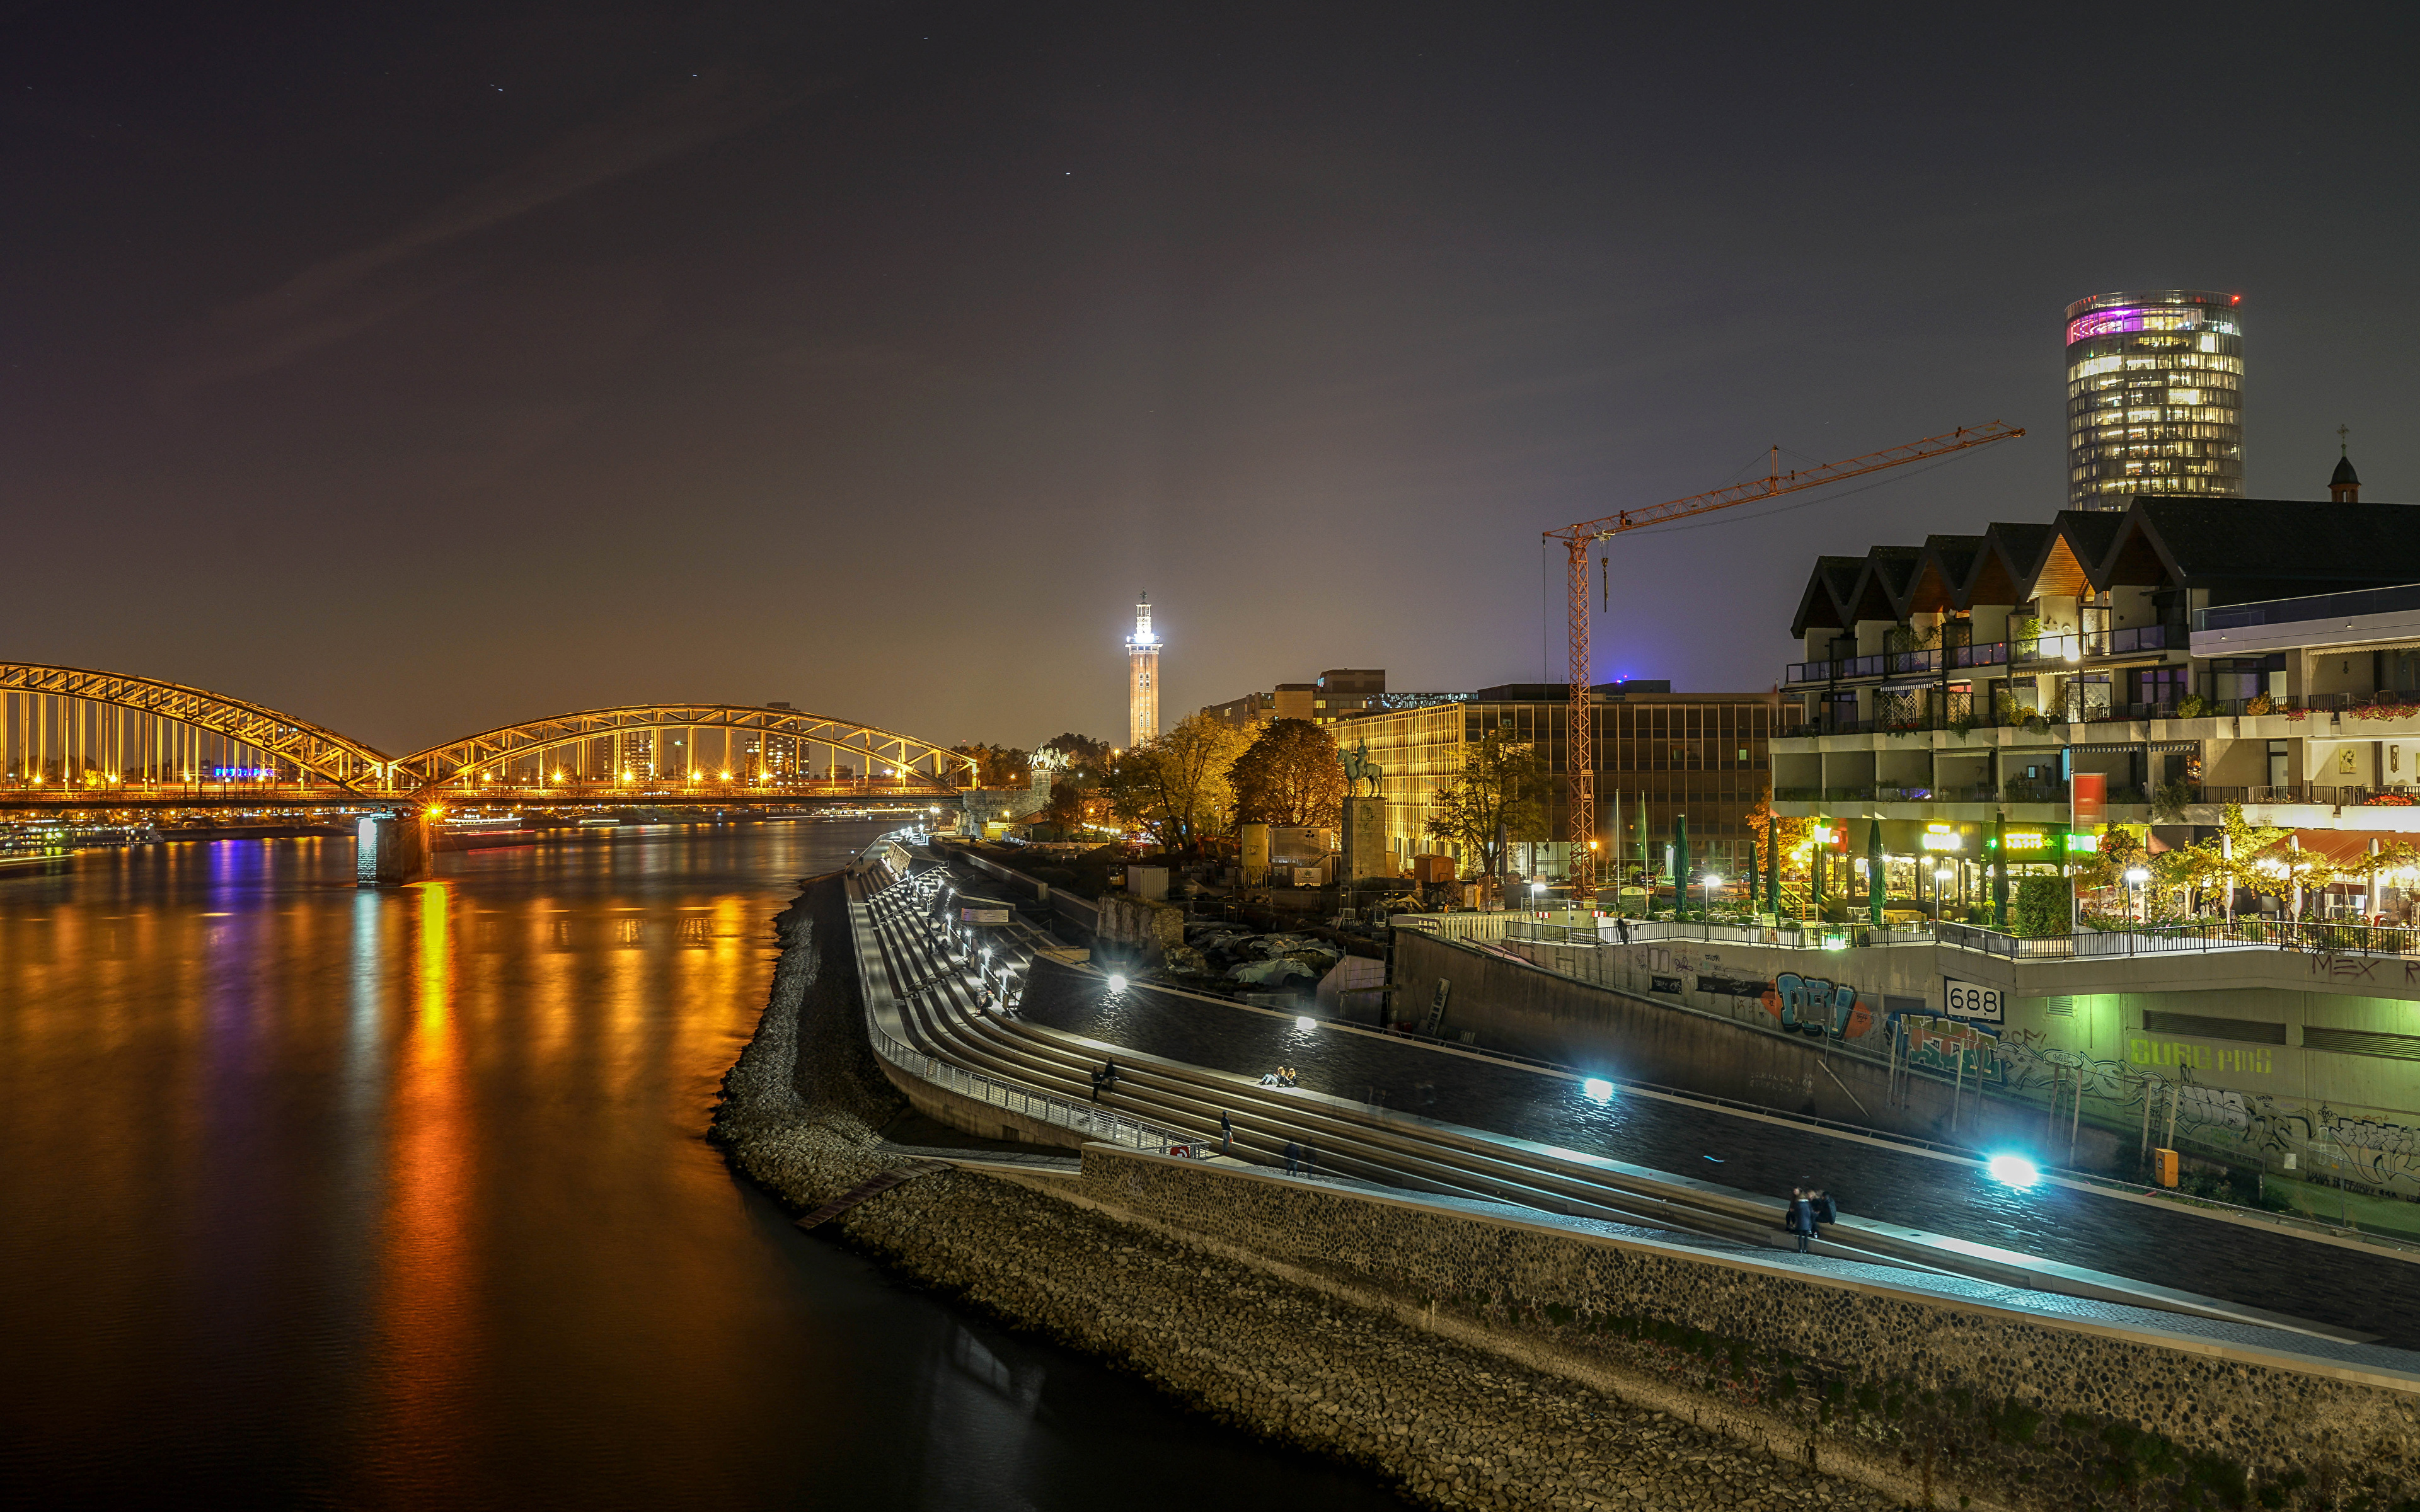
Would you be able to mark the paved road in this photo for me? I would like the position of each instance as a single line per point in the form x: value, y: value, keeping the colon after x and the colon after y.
x: 2326, y: 1283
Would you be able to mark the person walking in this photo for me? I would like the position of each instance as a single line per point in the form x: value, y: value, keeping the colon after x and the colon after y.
x: 1310, y: 1160
x: 1621, y: 927
x: 1097, y: 1086
x: 1293, y: 1156
x: 1801, y: 1218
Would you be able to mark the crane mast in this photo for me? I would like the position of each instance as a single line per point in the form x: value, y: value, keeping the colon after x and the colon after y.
x: 1578, y: 736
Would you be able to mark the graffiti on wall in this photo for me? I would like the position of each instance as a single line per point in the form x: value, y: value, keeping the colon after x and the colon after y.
x: 1811, y: 1004
x: 2256, y: 1126
x: 1954, y: 1047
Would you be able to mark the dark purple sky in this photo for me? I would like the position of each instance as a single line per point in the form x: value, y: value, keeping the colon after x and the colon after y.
x: 423, y: 368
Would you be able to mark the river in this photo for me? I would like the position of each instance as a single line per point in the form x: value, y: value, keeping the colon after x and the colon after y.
x: 316, y: 1195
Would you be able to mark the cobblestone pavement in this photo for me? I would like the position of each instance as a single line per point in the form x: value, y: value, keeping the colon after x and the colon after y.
x: 2325, y: 1283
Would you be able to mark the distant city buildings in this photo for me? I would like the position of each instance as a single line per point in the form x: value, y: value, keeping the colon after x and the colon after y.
x: 637, y: 756
x: 1659, y: 755
x: 2154, y: 397
x: 1243, y: 712
x: 1340, y: 693
x: 1142, y: 677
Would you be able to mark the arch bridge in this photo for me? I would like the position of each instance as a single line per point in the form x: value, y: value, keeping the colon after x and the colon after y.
x: 685, y: 745
x: 73, y: 737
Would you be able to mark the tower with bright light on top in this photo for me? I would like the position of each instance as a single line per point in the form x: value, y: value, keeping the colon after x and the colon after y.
x: 1142, y: 677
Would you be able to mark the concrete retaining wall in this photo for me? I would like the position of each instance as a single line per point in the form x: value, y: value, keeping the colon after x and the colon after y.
x: 1517, y: 1006
x: 1081, y: 912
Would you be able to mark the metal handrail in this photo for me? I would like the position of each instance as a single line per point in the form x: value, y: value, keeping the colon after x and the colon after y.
x: 1108, y: 1127
x: 2163, y: 939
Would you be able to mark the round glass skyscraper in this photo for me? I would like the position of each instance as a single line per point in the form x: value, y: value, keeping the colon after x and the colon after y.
x: 2154, y: 397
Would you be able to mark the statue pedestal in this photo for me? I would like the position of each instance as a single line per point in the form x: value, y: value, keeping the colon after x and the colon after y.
x: 1365, y: 841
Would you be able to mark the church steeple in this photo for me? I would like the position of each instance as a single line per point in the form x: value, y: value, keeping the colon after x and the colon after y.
x: 2345, y: 487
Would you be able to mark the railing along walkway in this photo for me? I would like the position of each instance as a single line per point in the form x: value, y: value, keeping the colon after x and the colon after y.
x: 891, y: 954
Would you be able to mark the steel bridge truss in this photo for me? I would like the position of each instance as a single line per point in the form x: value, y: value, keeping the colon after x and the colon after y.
x: 497, y: 754
x: 56, y: 736
x: 313, y: 752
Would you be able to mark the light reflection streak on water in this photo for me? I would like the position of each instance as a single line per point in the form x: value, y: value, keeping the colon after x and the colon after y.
x: 342, y: 1233
x: 426, y: 1315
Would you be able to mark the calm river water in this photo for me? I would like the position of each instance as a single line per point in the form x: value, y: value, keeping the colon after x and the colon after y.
x: 323, y: 1197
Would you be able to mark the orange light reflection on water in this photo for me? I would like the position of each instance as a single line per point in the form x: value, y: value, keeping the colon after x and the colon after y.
x: 425, y: 1312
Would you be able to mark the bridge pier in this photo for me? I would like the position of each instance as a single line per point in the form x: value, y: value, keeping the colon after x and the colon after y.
x: 392, y: 849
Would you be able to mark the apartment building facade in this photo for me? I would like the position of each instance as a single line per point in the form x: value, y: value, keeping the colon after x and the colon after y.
x: 2181, y: 654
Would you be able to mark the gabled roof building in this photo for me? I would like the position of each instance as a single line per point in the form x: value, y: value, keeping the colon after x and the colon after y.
x: 2189, y: 651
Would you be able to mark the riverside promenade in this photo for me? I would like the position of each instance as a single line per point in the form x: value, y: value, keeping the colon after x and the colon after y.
x: 1908, y: 1380
x: 2360, y: 1288
x: 2344, y: 1287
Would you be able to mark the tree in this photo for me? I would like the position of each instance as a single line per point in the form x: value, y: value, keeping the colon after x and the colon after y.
x: 2119, y: 852
x: 2390, y: 858
x: 1289, y: 775
x: 1175, y: 786
x: 1501, y: 789
x: 998, y: 766
x: 1065, y: 810
x: 2240, y: 861
x: 1087, y: 757
x: 1794, y: 836
x: 2040, y: 906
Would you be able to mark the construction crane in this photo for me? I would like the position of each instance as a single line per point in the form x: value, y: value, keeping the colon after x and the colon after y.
x: 1576, y: 540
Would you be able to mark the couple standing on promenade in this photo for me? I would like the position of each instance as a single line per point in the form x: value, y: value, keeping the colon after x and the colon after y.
x: 1810, y: 1208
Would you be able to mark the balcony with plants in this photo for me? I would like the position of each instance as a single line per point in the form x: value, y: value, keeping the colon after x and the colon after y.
x: 2049, y: 645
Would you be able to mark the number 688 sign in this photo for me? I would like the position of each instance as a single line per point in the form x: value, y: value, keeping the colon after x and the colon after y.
x: 1972, y: 1000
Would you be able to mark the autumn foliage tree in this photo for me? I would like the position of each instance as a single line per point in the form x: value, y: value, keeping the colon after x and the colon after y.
x: 998, y: 766
x: 1289, y: 775
x: 1174, y: 786
x: 1498, y: 797
x: 1794, y: 834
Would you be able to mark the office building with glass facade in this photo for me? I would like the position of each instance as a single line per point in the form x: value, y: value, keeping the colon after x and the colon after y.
x: 2154, y: 397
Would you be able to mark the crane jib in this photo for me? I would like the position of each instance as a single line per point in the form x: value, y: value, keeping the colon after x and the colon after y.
x: 1579, y: 738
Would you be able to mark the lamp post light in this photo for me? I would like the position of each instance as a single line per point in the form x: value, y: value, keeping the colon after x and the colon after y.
x: 1537, y: 901
x: 2136, y: 877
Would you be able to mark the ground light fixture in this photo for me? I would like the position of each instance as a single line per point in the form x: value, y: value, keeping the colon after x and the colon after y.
x: 2013, y: 1171
x: 1306, y: 1023
x: 1117, y: 983
x: 1597, y: 1089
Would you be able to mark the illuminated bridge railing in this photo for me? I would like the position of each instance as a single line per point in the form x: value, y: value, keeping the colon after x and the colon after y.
x: 102, y: 793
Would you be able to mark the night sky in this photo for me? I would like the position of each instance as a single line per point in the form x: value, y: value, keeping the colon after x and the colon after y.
x: 418, y: 369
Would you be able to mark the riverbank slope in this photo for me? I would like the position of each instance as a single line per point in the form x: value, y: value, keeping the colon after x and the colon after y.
x: 1449, y: 1424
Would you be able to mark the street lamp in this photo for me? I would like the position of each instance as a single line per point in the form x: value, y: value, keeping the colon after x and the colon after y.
x: 2136, y: 877
x: 1714, y: 881
x: 1537, y: 903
